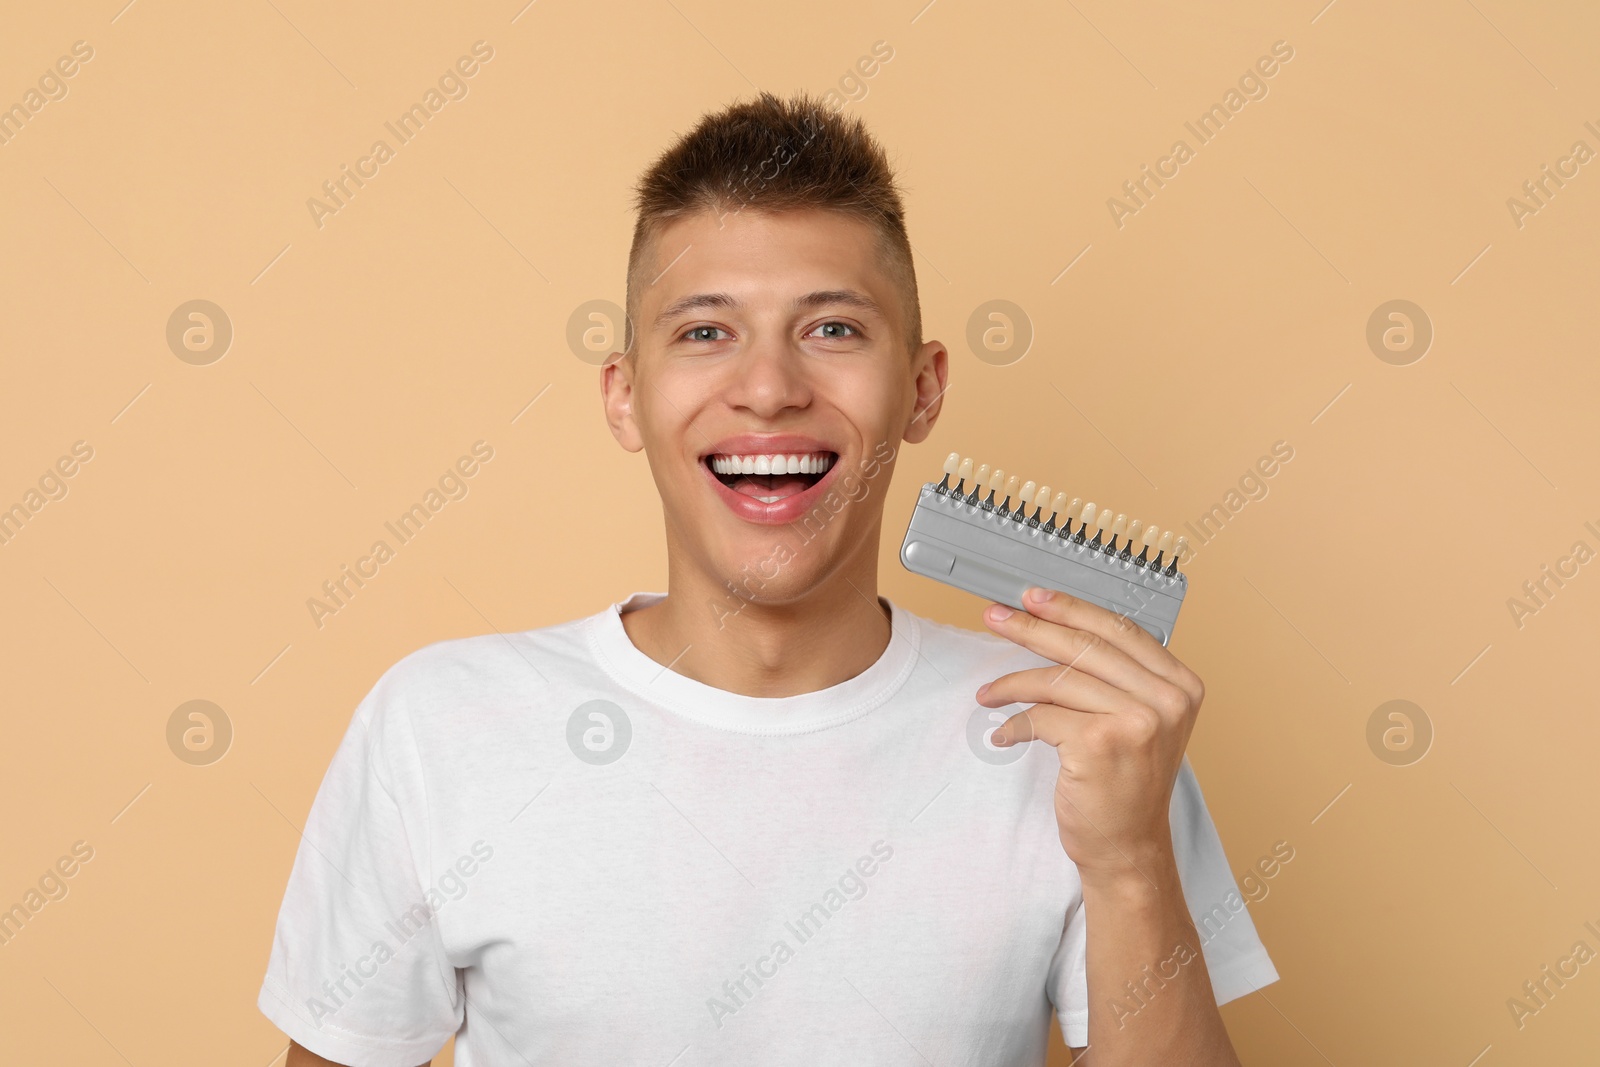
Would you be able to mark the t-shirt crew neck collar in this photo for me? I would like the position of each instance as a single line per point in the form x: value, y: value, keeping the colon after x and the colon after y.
x: 718, y: 708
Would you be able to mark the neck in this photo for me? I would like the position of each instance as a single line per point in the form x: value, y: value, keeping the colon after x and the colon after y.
x: 702, y: 631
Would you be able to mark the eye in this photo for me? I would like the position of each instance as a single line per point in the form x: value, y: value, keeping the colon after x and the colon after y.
x: 836, y: 330
x: 703, y: 333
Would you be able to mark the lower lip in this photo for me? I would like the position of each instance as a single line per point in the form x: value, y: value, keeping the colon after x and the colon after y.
x: 778, y: 513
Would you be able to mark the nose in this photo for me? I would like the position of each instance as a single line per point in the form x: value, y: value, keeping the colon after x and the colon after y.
x: 769, y: 377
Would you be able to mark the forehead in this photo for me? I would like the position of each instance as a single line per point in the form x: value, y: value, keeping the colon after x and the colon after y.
x: 758, y: 257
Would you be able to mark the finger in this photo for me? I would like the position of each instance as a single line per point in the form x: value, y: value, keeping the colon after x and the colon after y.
x: 1074, y: 731
x: 1049, y: 723
x: 1090, y: 653
x: 1120, y: 630
x: 1072, y: 690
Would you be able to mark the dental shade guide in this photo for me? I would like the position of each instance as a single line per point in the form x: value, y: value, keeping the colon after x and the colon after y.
x: 1000, y: 542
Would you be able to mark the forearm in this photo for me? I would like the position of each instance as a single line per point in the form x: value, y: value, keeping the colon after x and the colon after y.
x: 1150, y: 997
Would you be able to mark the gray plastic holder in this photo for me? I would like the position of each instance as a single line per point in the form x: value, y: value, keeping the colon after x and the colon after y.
x: 964, y: 546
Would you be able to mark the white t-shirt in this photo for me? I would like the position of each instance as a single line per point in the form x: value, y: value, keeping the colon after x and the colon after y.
x: 562, y: 852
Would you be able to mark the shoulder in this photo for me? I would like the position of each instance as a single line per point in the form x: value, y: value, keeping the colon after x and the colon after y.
x: 977, y: 651
x: 484, y: 670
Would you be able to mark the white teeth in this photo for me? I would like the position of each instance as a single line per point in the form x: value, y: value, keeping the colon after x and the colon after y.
x: 773, y: 463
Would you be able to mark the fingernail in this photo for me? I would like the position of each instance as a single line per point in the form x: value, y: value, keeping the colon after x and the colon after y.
x: 999, y: 613
x: 1040, y: 595
x: 984, y: 688
x: 997, y: 739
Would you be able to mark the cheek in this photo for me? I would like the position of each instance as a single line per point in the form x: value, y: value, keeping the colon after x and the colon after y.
x: 667, y: 401
x: 875, y: 403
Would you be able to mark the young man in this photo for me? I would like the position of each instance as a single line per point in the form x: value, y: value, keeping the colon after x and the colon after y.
x: 756, y: 819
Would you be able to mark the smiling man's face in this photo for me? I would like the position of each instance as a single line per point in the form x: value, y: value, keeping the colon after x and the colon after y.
x: 770, y: 388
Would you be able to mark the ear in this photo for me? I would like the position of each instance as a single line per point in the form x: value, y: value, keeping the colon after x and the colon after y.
x: 932, y: 369
x: 616, y: 396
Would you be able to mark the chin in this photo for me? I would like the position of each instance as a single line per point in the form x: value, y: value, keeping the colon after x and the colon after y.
x: 779, y: 575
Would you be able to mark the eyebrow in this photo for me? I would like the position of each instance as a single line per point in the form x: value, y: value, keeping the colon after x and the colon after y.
x: 695, y: 302
x: 723, y: 301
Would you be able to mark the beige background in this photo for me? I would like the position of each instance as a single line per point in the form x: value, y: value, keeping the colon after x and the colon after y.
x: 1229, y: 313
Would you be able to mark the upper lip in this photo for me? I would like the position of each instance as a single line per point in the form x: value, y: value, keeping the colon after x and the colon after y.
x: 769, y: 444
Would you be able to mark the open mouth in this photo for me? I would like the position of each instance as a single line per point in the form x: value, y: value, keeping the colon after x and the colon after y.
x: 770, y: 477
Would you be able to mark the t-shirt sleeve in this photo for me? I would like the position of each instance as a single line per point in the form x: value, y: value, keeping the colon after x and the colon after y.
x: 358, y: 973
x: 1235, y: 958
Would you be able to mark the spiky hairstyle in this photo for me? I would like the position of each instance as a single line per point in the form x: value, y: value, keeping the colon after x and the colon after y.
x: 773, y: 155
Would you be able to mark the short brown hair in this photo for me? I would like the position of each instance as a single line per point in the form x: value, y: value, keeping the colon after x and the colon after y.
x: 775, y: 155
